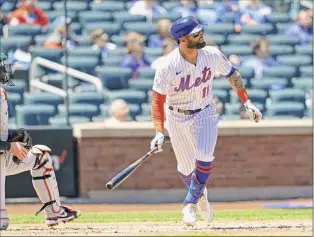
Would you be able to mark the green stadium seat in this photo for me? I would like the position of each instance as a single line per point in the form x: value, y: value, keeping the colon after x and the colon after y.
x: 85, y: 64
x: 281, y: 39
x: 95, y: 98
x: 306, y: 71
x: 241, y: 39
x: 172, y: 16
x: 130, y: 96
x: 45, y: 5
x: 282, y: 117
x: 109, y: 27
x: 34, y: 115
x: 153, y: 51
x: 276, y: 50
x: 62, y: 121
x: 84, y: 40
x: 15, y: 42
x: 285, y: 109
x: 170, y: 5
x: 281, y: 27
x: 229, y: 17
x: 218, y: 38
x: 50, y: 54
x: 80, y: 109
x: 270, y: 83
x: 7, y: 6
x: 110, y: 6
x: 221, y: 84
x: 143, y: 118
x: 42, y: 98
x: 114, y: 78
x: 144, y: 28
x: 146, y: 72
x: 19, y: 88
x: 118, y: 52
x: 99, y: 118
x: 14, y: 99
x: 71, y: 5
x: 52, y: 15
x: 289, y: 94
x: 234, y: 109
x: 125, y: 17
x: 113, y: 61
x: 222, y: 95
x: 304, y: 49
x: 281, y: 71
x: 278, y: 17
x: 94, y: 16
x: 146, y: 109
x: 295, y: 60
x: 246, y: 72
x: 118, y: 40
x: 261, y: 29
x: 241, y: 50
x: 141, y: 84
x: 230, y: 117
x: 40, y: 39
x: 219, y: 28
x: 256, y: 96
x: 24, y: 29
x: 303, y: 83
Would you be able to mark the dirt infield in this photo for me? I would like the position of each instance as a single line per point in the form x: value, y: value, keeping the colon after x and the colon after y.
x: 218, y: 228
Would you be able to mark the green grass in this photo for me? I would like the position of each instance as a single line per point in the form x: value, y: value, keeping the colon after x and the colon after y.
x: 231, y: 215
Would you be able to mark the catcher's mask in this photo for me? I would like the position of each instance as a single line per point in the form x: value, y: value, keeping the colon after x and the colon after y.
x: 5, y: 70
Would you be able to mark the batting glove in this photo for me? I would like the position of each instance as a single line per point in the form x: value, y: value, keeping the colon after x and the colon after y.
x: 254, y: 112
x: 157, y: 142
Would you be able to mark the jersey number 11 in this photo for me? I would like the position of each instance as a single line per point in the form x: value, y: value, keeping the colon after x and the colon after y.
x: 205, y: 91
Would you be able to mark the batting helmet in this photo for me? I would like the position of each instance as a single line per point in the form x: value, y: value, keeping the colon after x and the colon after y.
x: 185, y: 26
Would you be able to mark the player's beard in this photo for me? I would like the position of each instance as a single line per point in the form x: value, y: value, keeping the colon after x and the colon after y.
x: 196, y: 44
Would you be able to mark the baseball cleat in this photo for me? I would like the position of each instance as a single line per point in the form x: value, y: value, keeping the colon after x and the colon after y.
x: 4, y: 220
x: 205, y: 209
x: 189, y: 214
x: 66, y: 214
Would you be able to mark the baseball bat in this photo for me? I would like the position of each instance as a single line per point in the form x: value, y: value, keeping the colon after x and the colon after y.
x: 124, y: 174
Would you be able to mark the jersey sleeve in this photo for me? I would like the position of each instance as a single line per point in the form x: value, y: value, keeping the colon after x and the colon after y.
x: 223, y: 65
x: 160, y: 80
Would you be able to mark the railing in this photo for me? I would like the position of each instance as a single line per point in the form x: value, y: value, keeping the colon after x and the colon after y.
x: 35, y: 83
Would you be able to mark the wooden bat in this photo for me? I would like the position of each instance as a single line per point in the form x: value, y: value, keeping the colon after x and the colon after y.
x: 124, y: 174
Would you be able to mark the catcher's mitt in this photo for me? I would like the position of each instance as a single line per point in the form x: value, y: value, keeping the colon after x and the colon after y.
x: 21, y: 135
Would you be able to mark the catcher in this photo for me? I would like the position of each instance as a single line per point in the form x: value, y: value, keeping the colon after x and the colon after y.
x: 18, y: 155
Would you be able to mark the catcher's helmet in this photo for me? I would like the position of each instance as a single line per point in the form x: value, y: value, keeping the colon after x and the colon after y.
x: 185, y: 26
x: 5, y: 70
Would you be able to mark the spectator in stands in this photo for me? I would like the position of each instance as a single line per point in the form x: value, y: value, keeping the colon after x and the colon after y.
x: 135, y: 57
x: 28, y: 13
x: 133, y: 35
x: 253, y: 12
x: 62, y: 36
x: 147, y: 8
x: 119, y: 112
x: 303, y: 28
x: 167, y: 47
x: 163, y: 29
x: 100, y: 40
x: 186, y: 8
x: 261, y: 58
x: 226, y: 6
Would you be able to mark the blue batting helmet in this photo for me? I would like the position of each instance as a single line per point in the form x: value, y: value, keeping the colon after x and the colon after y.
x: 185, y: 26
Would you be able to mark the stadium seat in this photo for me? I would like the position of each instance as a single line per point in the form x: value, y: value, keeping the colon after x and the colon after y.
x: 306, y: 71
x: 246, y: 72
x: 85, y: 64
x: 125, y: 17
x: 282, y: 117
x: 71, y: 5
x: 110, y: 6
x: 230, y: 117
x: 172, y: 16
x: 114, y: 78
x: 61, y: 120
x: 218, y: 38
x: 45, y: 5
x: 24, y: 29
x: 270, y: 83
x: 84, y: 51
x: 84, y: 40
x: 118, y: 40
x: 289, y: 94
x: 153, y: 52
x: 220, y: 28
x: 95, y: 98
x: 146, y: 72
x: 285, y: 109
x: 303, y: 83
x: 113, y: 60
x: 15, y: 42
x: 144, y: 28
x: 146, y: 109
x: 19, y: 88
x: 40, y: 39
x: 222, y: 95
x: 94, y: 16
x: 130, y: 96
x: 170, y: 5
x: 143, y: 118
x: 34, y: 115
x: 141, y: 84
x: 261, y: 29
x: 276, y: 50
x: 7, y: 7
x: 80, y: 109
x: 295, y: 60
x: 50, y: 54
x: 256, y: 95
x: 281, y: 39
x: 42, y: 98
x: 281, y: 27
x: 280, y: 71
x: 278, y: 17
x: 99, y: 118
x: 52, y: 15
x: 118, y: 52
x: 234, y: 109
x: 241, y: 50
x: 14, y: 99
x: 242, y: 39
x: 110, y: 28
x: 304, y: 49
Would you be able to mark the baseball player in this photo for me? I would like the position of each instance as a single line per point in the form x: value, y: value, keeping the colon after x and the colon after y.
x: 17, y: 157
x: 184, y: 82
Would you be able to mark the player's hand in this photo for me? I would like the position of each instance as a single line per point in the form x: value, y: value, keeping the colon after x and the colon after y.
x: 254, y: 112
x: 157, y: 141
x: 18, y: 149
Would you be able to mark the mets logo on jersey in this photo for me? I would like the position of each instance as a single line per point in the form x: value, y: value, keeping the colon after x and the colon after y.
x: 185, y: 81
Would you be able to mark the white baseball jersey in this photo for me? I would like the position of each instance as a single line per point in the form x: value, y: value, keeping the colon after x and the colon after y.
x: 189, y: 87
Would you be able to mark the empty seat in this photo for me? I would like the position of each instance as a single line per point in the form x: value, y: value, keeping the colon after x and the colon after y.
x: 84, y: 51
x: 234, y: 109
x: 118, y: 52
x: 130, y: 96
x: 285, y: 109
x: 221, y: 84
x: 52, y: 15
x: 84, y: 40
x: 306, y: 71
x: 289, y: 94
x: 218, y: 38
x: 34, y: 115
x: 304, y: 49
x: 114, y: 77
x: 15, y: 42
x: 281, y: 27
x: 153, y: 52
x: 141, y: 84
x: 7, y: 6
x: 172, y: 16
x: 110, y: 28
x: 45, y: 5
x: 143, y: 118
x: 303, y: 83
x: 24, y: 29
x: 220, y: 28
x: 222, y: 95
x: 85, y: 64
x: 278, y: 17
x: 107, y: 6
x: 50, y: 54
x: 282, y: 117
x: 256, y: 95
x: 43, y: 98
x: 125, y: 17
x: 247, y: 72
x: 144, y: 28
x: 18, y: 88
x: 94, y: 16
x: 40, y: 39
x: 113, y: 60
x: 281, y: 71
x: 242, y: 39
x: 236, y: 49
x: 270, y: 83
x: 71, y: 5
x: 281, y: 39
x: 146, y: 72
x: 146, y: 109
x: 62, y: 121
x: 260, y: 29
x: 276, y: 50
x: 95, y: 98
x: 295, y: 60
x: 14, y: 99
x: 80, y: 109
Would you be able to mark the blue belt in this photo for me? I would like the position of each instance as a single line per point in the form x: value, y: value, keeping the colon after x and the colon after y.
x: 186, y: 112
